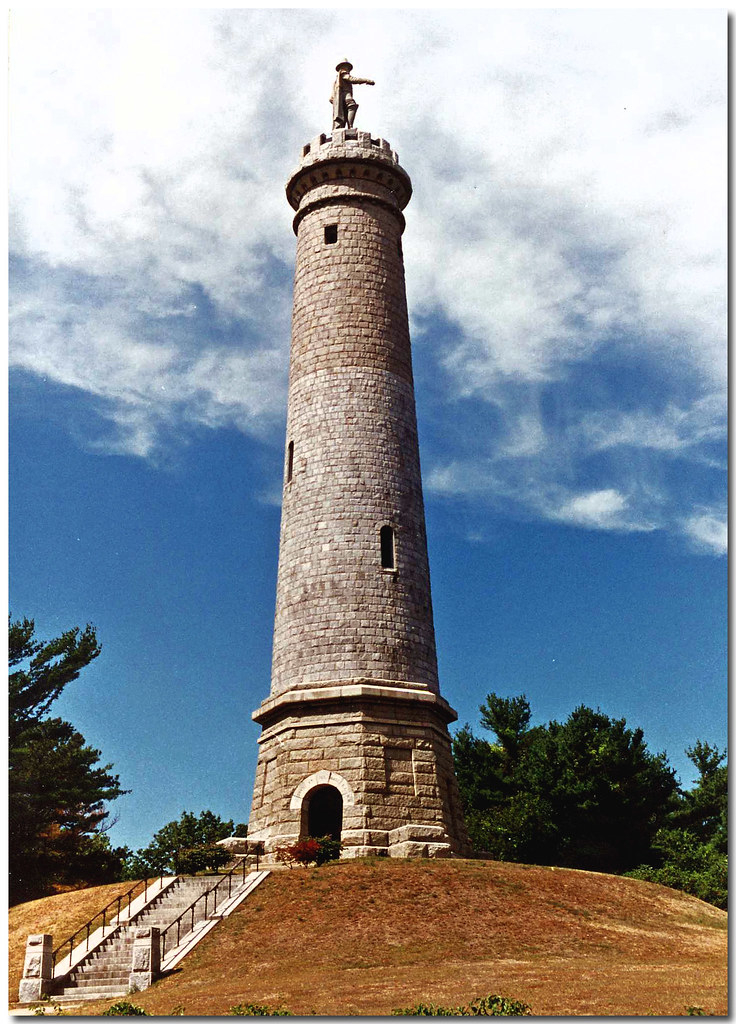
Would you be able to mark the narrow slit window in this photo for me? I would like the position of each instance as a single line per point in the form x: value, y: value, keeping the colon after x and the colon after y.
x: 330, y: 234
x: 388, y: 559
x: 289, y: 462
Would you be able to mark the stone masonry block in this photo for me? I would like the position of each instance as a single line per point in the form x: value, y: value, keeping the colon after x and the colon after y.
x: 37, y: 968
x: 411, y: 849
x: 423, y: 833
x: 146, y: 958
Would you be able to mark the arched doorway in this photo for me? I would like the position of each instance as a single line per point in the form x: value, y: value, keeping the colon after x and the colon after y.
x: 322, y: 812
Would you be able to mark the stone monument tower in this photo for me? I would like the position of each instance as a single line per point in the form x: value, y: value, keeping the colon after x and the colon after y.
x: 354, y: 733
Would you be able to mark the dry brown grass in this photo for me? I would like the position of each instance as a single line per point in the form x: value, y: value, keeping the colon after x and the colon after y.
x: 360, y: 938
x: 59, y: 916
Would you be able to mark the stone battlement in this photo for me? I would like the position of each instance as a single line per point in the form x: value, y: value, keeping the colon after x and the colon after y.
x: 344, y: 156
x: 350, y: 138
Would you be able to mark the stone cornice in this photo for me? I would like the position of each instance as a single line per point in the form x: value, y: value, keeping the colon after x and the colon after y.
x: 352, y: 692
x: 342, y: 200
x: 349, y: 157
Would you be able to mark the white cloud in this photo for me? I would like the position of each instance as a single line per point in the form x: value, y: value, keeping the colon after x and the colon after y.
x: 144, y: 383
x: 452, y: 479
x: 672, y: 429
x: 605, y: 509
x: 545, y: 491
x: 707, y: 532
x: 554, y: 216
x: 568, y: 214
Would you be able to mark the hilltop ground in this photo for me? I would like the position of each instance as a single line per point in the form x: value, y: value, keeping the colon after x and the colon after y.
x: 364, y: 937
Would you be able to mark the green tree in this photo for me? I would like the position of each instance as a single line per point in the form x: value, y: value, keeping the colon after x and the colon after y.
x: 57, y: 789
x: 583, y: 793
x: 690, y: 851
x: 49, y: 667
x: 504, y: 785
x: 177, y: 838
x: 610, y: 794
x: 686, y: 863
x: 508, y: 718
x: 704, y: 808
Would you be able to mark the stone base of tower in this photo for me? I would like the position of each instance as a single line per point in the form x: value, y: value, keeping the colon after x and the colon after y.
x: 371, y: 761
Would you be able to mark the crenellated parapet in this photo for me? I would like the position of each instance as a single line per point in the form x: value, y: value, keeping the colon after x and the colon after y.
x: 346, y: 164
x: 348, y: 139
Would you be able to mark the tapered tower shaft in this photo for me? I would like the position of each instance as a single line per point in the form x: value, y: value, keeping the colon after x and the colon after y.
x: 351, y: 602
x: 354, y: 706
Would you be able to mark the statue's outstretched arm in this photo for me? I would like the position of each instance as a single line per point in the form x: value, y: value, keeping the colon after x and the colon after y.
x: 358, y: 81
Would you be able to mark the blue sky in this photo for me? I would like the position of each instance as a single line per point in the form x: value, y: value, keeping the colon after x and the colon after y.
x: 565, y: 259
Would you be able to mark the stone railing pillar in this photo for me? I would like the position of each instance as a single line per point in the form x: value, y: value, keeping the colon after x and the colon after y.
x: 146, y: 963
x: 38, y: 969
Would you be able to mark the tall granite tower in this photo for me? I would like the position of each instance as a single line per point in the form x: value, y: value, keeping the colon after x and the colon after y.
x: 354, y: 733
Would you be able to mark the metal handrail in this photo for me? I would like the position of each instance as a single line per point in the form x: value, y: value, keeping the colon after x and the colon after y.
x: 204, y: 896
x: 87, y: 928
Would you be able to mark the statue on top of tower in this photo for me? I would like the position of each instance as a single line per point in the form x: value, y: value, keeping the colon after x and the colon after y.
x: 344, y: 106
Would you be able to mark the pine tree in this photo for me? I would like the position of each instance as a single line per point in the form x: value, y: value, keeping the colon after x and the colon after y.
x: 58, y: 789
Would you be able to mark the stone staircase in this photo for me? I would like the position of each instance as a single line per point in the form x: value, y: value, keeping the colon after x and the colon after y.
x: 105, y: 972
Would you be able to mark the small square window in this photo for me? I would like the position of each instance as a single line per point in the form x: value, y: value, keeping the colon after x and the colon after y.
x: 330, y: 234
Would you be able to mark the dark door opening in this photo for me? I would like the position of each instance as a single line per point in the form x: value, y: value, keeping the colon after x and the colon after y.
x: 324, y: 812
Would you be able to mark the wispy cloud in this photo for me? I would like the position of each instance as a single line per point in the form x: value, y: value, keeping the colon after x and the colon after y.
x: 144, y: 377
x: 568, y: 226
x: 671, y: 429
x: 707, y: 532
x: 606, y: 510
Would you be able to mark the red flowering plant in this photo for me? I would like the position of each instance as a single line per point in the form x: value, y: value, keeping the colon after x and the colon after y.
x: 309, y: 851
x: 303, y: 851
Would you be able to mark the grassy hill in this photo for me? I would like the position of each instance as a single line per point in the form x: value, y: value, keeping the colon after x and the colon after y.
x: 364, y: 937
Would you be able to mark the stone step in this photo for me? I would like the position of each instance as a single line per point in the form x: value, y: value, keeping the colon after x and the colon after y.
x: 172, y: 913
x: 108, y: 978
x: 104, y: 952
x: 117, y: 978
x: 119, y: 967
x: 103, y: 992
x: 111, y: 950
x: 111, y: 947
x: 186, y: 899
x: 106, y: 970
